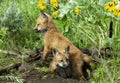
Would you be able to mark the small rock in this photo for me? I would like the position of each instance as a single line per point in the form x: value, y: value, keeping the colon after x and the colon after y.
x: 25, y: 67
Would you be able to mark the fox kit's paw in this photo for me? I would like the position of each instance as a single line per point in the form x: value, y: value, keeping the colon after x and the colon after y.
x: 83, y: 78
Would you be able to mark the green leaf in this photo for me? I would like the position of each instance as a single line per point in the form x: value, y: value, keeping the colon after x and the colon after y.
x: 67, y: 29
x: 102, y: 2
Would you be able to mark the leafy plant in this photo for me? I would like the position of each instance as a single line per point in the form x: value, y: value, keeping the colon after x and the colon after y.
x: 12, y: 17
x: 12, y: 78
x: 3, y: 33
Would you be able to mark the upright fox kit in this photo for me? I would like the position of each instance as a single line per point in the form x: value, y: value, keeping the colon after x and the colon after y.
x: 61, y: 60
x: 54, y: 39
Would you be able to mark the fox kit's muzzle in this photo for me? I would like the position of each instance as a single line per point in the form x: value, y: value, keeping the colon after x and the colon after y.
x: 40, y: 30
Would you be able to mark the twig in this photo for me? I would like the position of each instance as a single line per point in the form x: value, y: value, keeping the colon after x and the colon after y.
x: 10, y: 52
x: 4, y: 69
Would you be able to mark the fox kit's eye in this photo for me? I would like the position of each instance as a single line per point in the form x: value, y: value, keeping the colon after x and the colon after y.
x: 61, y: 60
x: 67, y: 59
x: 38, y: 24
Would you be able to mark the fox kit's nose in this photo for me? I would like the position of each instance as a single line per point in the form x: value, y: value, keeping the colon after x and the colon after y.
x: 65, y: 65
x: 36, y: 30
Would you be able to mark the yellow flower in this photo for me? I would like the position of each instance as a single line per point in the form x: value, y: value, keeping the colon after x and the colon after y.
x: 115, y: 2
x: 116, y: 11
x: 41, y: 4
x: 55, y: 14
x: 54, y: 3
x: 110, y: 6
x: 77, y: 10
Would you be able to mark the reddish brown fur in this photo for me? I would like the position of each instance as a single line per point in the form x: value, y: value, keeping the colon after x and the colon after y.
x: 54, y: 39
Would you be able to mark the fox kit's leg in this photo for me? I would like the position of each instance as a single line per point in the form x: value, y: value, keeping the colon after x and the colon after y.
x: 77, y: 64
x: 52, y: 67
x: 45, y: 52
x: 79, y: 72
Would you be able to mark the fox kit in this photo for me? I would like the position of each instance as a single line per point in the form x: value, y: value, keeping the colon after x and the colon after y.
x: 54, y: 39
x: 61, y: 64
x: 59, y: 59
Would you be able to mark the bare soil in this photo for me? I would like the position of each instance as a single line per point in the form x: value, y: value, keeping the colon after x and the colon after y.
x: 41, y: 77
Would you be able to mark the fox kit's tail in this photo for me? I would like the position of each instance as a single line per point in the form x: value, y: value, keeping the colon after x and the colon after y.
x: 87, y: 58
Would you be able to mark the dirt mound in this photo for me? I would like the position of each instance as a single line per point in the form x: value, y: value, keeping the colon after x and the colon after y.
x: 40, y: 77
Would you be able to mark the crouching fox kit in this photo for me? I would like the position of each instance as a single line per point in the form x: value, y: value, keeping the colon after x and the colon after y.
x: 54, y: 39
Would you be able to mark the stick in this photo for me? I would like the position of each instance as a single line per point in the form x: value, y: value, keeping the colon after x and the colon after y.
x: 10, y: 52
x: 11, y: 66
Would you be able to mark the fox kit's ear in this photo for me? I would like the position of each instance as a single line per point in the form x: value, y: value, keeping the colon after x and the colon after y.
x: 67, y: 49
x: 42, y: 14
x: 54, y: 52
